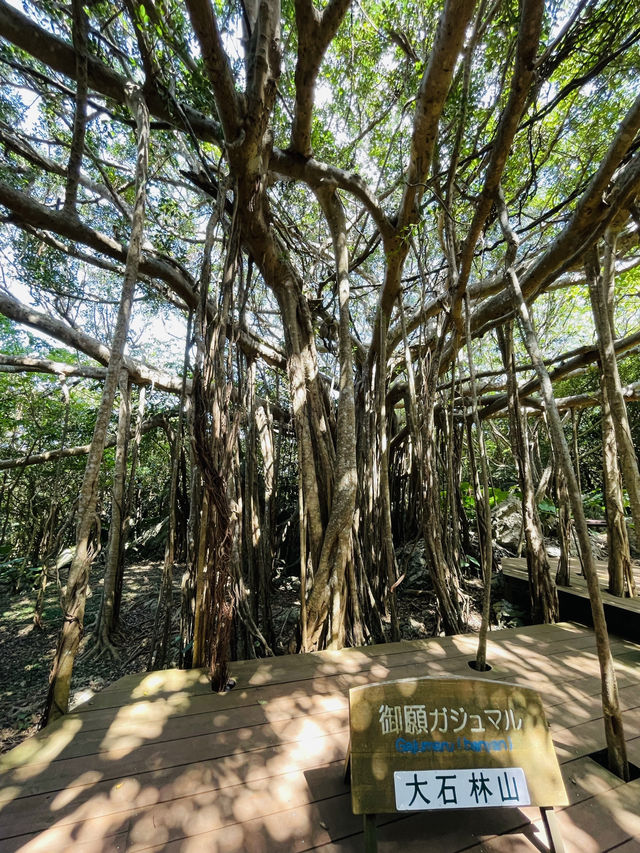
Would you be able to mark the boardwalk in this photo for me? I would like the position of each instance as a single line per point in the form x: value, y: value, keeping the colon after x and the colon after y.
x: 157, y: 762
x: 622, y: 614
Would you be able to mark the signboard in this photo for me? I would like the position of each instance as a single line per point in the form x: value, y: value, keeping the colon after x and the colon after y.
x: 442, y: 743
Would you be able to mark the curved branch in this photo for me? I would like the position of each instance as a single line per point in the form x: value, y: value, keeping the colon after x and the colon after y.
x: 433, y: 92
x: 60, y: 56
x: 80, y: 450
x: 26, y: 210
x: 216, y: 63
x: 26, y: 364
x: 521, y: 81
x: 583, y: 357
x: 315, y: 173
x: 315, y: 32
x: 140, y: 373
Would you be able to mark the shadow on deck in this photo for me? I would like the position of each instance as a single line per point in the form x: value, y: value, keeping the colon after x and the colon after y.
x: 158, y: 762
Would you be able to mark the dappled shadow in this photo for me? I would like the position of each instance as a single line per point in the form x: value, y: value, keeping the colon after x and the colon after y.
x: 158, y: 761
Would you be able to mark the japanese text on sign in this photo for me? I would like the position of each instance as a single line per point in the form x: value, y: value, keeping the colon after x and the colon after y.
x: 418, y: 790
x: 456, y: 743
x: 418, y: 719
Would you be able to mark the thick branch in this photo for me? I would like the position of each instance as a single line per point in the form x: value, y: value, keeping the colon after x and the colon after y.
x: 433, y: 92
x: 523, y: 77
x: 140, y: 373
x: 587, y: 225
x: 434, y: 89
x: 216, y: 63
x: 26, y: 210
x: 314, y: 174
x: 569, y: 365
x: 60, y: 56
x: 80, y: 116
x: 26, y: 364
x: 79, y: 450
x: 315, y: 32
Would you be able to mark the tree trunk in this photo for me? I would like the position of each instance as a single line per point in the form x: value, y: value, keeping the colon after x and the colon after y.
x: 75, y: 597
x: 129, y: 502
x: 601, y: 294
x: 575, y: 426
x: 325, y: 602
x: 106, y: 618
x: 164, y: 607
x: 563, y: 572
x: 252, y: 531
x: 614, y: 730
x: 620, y: 573
x: 483, y: 507
x: 215, y: 433
x: 264, y: 428
x: 386, y: 556
x: 51, y: 539
x: 542, y: 592
x: 443, y: 577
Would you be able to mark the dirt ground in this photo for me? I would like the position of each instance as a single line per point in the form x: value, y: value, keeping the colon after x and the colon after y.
x: 26, y: 651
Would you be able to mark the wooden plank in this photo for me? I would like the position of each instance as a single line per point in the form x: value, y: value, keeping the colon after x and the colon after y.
x: 186, y: 817
x: 168, y: 790
x: 60, y: 747
x: 588, y: 710
x: 517, y: 568
x: 630, y: 846
x: 158, y: 787
x: 298, y: 667
x: 159, y: 708
x: 320, y: 782
x: 583, y: 664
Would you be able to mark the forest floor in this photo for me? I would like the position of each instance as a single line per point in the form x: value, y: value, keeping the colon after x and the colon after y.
x: 26, y: 651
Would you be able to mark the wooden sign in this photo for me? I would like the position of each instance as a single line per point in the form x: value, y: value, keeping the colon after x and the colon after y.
x: 447, y: 743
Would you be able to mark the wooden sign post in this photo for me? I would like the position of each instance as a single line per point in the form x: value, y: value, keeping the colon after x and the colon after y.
x: 450, y: 743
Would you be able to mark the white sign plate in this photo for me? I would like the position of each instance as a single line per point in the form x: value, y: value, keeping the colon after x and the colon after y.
x: 422, y: 790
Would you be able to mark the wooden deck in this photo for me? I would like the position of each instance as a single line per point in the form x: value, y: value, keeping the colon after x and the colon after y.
x: 622, y: 614
x: 158, y: 762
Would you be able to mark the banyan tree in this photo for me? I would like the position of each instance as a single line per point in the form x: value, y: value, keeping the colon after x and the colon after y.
x: 359, y: 234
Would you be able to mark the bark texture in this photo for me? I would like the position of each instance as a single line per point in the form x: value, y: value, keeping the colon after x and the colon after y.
x: 76, y: 591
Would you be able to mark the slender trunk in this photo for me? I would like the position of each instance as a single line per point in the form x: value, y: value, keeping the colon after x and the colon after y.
x: 614, y: 730
x: 601, y: 293
x: 387, y: 560
x: 444, y: 578
x: 453, y: 475
x: 200, y: 583
x: 251, y: 526
x: 189, y: 577
x: 129, y: 503
x: 164, y: 607
x: 79, y: 37
x: 575, y: 425
x: 617, y: 537
x: 106, y: 618
x: 484, y: 507
x: 264, y: 428
x: 51, y: 556
x: 75, y: 598
x: 215, y: 435
x: 542, y: 591
x: 563, y: 572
